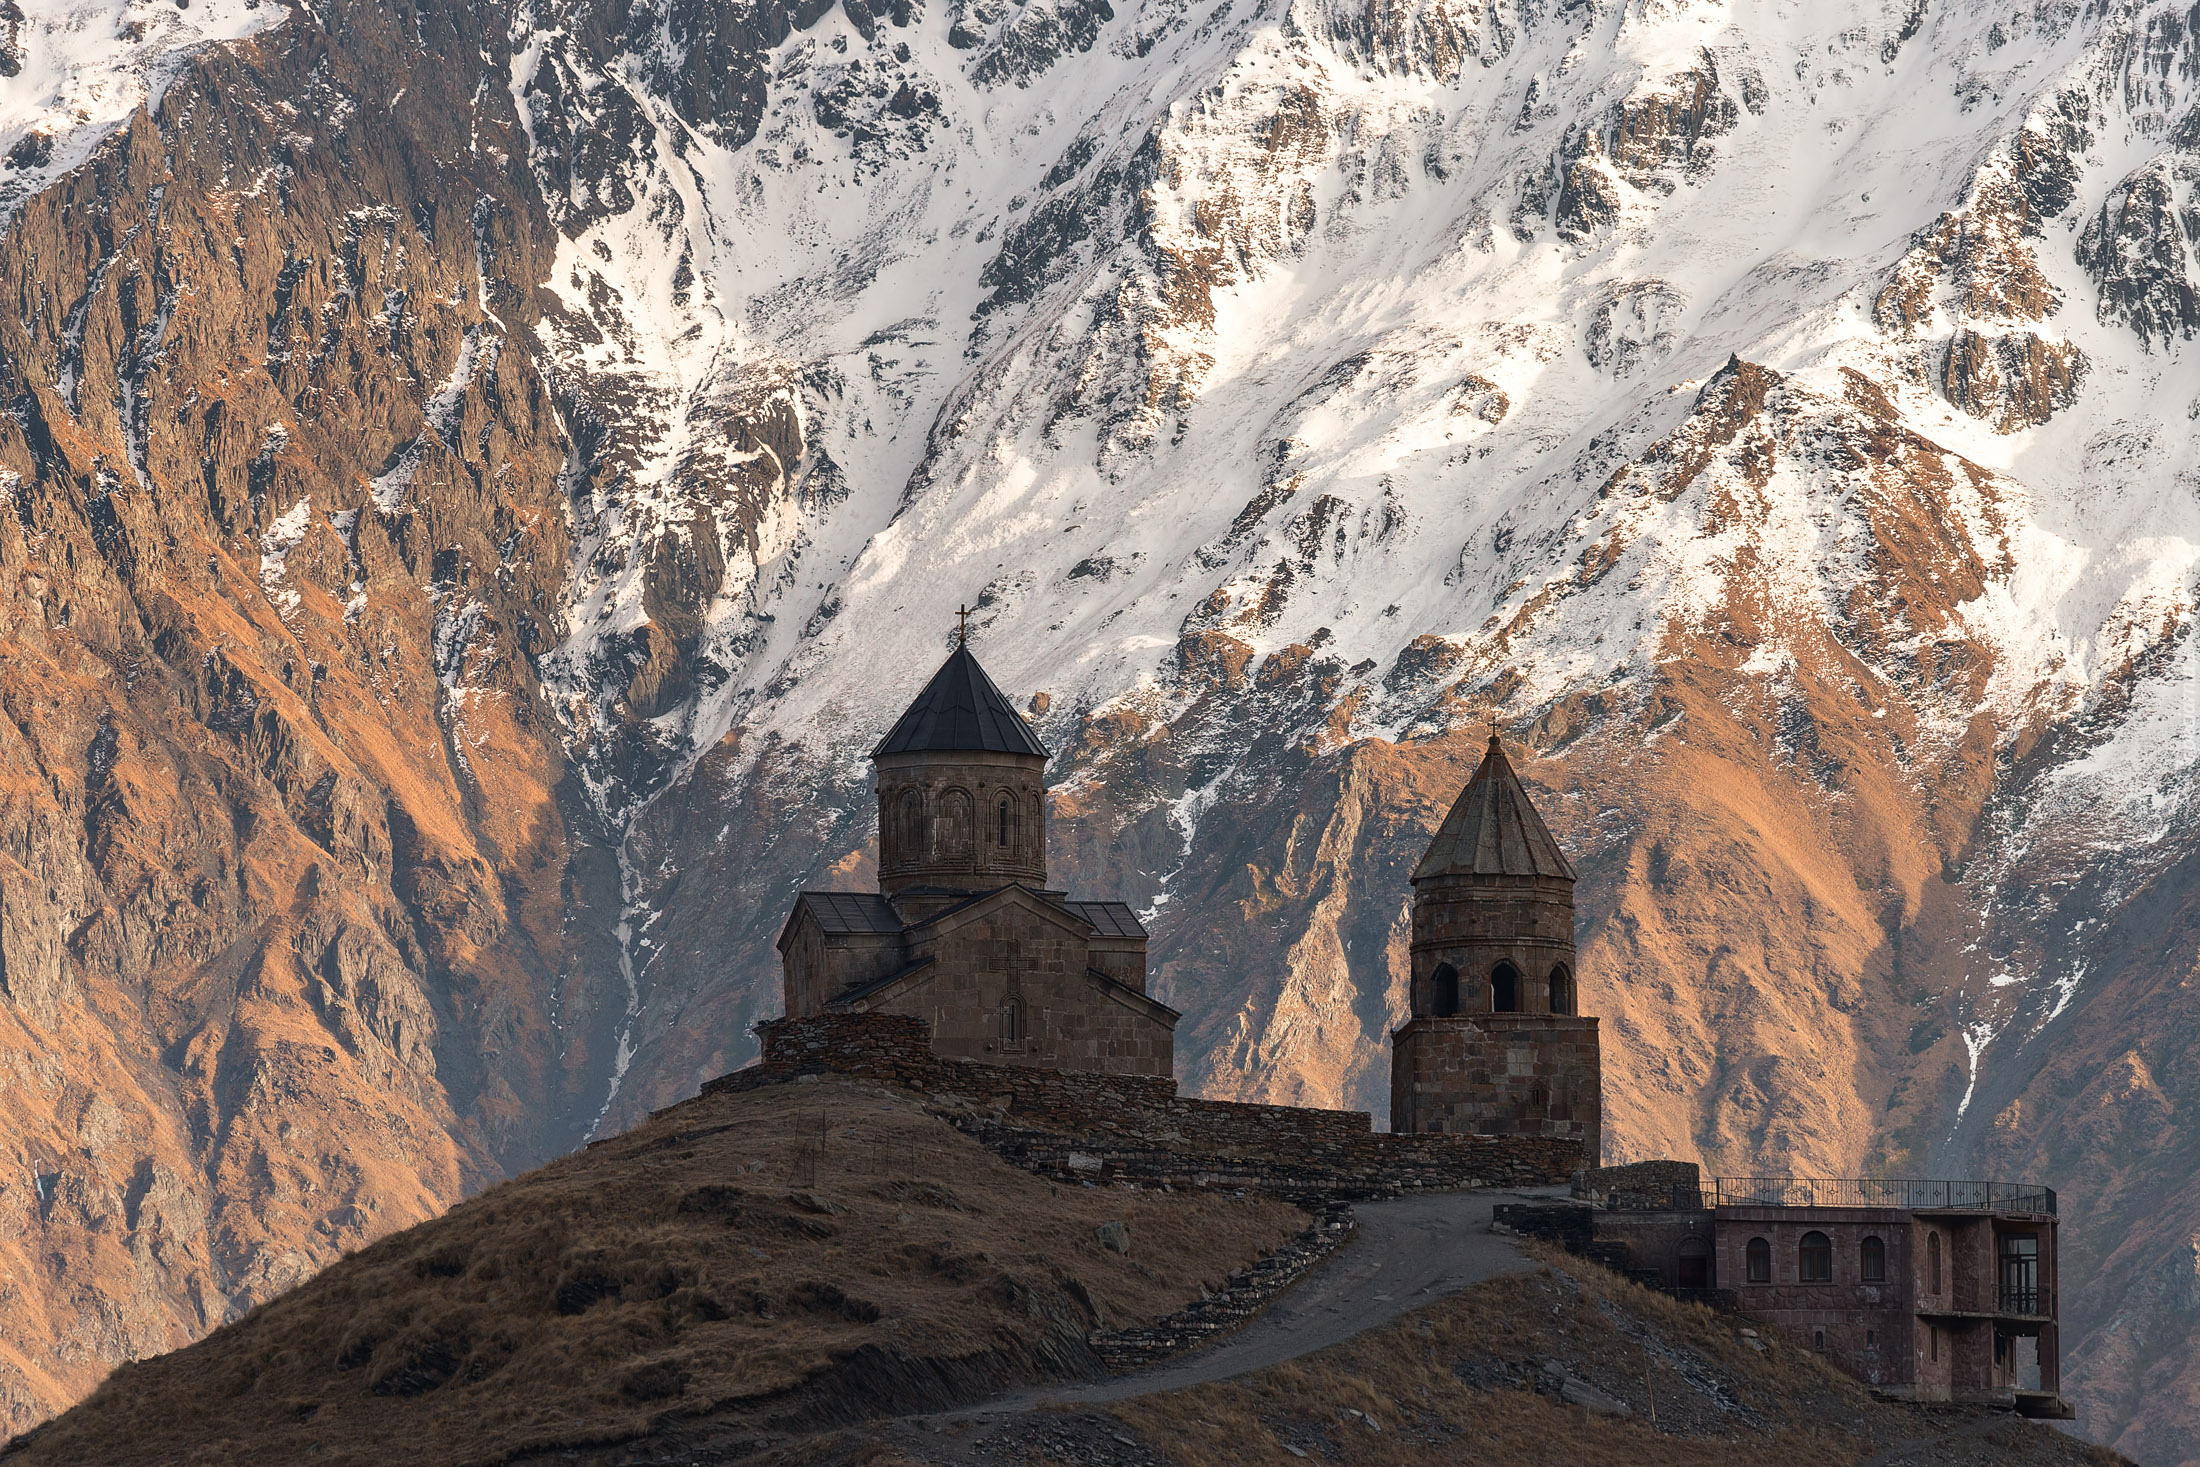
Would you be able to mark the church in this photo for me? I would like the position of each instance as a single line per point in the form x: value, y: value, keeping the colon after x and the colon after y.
x: 964, y: 934
x: 963, y: 931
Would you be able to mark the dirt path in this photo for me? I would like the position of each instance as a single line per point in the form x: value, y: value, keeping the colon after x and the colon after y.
x: 1405, y: 1253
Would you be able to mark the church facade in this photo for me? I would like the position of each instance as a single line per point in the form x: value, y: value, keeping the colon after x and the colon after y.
x: 963, y: 931
x: 1495, y: 1043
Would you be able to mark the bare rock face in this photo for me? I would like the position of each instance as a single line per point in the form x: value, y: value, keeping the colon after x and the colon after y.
x: 294, y: 880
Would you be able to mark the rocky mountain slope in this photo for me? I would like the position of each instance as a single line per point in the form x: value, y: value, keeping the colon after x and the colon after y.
x: 481, y: 482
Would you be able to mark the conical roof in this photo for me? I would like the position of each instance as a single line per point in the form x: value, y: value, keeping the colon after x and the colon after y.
x: 960, y: 711
x: 1493, y: 829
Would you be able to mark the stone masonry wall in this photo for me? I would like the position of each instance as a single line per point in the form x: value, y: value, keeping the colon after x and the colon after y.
x: 1013, y: 952
x: 1078, y: 1125
x: 1500, y: 1075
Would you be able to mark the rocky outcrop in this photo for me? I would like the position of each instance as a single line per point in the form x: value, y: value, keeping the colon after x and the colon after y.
x: 2015, y: 381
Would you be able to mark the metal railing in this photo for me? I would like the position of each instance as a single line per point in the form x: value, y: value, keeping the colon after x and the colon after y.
x: 1909, y: 1195
x: 2020, y: 1301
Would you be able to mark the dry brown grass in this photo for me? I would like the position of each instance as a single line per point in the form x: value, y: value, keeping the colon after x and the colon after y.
x: 1454, y: 1384
x: 742, y: 1254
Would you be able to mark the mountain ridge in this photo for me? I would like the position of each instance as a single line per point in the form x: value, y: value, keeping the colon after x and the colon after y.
x: 1773, y: 418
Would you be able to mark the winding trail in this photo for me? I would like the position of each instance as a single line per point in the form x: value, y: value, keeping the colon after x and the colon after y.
x: 1407, y: 1252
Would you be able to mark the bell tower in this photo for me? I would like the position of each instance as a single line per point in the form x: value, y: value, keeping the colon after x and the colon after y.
x: 961, y: 803
x: 1495, y: 1043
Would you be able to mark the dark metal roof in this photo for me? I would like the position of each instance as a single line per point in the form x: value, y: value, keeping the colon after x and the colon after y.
x: 1109, y: 919
x: 851, y: 911
x: 960, y: 710
x: 1493, y: 830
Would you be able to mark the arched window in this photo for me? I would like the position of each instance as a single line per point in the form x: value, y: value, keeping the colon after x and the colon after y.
x: 1562, y: 990
x: 1871, y: 1260
x: 1932, y: 1263
x: 909, y: 820
x: 1445, y: 1001
x: 1001, y: 834
x: 1505, y: 989
x: 958, y: 835
x: 1814, y: 1259
x: 1758, y: 1258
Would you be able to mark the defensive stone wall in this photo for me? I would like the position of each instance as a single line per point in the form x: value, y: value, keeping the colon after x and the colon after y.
x: 1082, y: 1126
x: 1642, y: 1184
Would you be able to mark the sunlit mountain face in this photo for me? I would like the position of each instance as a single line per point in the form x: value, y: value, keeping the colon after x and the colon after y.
x: 483, y: 482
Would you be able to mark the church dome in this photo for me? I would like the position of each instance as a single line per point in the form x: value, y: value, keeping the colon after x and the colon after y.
x: 1493, y: 830
x: 961, y: 711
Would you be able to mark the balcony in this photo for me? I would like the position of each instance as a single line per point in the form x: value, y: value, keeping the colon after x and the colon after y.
x: 1907, y: 1195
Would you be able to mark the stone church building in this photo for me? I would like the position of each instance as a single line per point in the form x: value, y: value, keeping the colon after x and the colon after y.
x: 965, y: 934
x: 963, y: 931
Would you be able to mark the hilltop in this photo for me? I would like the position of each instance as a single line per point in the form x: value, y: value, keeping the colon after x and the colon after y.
x: 828, y: 1272
x: 779, y: 1259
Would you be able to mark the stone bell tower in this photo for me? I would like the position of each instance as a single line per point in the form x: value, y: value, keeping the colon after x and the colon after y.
x: 1495, y: 1044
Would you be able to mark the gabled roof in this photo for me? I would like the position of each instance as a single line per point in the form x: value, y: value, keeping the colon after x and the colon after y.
x: 1046, y: 904
x: 1109, y: 919
x: 959, y: 711
x: 1493, y: 829
x: 850, y: 911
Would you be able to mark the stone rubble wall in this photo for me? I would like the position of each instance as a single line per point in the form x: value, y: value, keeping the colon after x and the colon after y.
x: 1077, y: 1126
x: 1243, y: 1295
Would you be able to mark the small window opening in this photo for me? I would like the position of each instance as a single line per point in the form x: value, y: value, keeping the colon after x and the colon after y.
x: 1446, y: 997
x: 1562, y: 990
x: 1012, y: 1022
x: 1932, y: 1265
x: 1818, y: 1339
x: 1871, y: 1258
x: 1814, y: 1259
x: 1871, y: 1339
x: 1759, y: 1258
x: 1505, y: 989
x: 1004, y: 823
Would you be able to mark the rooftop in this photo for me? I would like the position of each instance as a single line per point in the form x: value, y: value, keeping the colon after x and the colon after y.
x: 960, y: 711
x: 1493, y: 829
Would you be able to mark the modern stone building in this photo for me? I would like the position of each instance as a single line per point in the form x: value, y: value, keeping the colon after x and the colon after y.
x: 963, y: 931
x: 1495, y: 1044
x: 1923, y: 1290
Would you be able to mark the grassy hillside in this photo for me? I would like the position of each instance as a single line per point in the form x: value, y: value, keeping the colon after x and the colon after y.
x: 778, y: 1260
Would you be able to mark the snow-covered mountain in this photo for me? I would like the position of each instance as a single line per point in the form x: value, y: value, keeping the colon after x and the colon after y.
x: 1780, y: 416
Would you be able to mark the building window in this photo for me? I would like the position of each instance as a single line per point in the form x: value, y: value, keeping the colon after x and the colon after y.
x: 1932, y: 1265
x: 1562, y: 990
x: 1818, y: 1339
x: 910, y: 818
x: 958, y: 826
x: 1012, y: 1023
x: 2020, y: 1273
x: 1871, y: 1259
x: 1759, y: 1259
x: 1505, y: 989
x: 1814, y: 1259
x: 1871, y: 1339
x: 1446, y: 999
